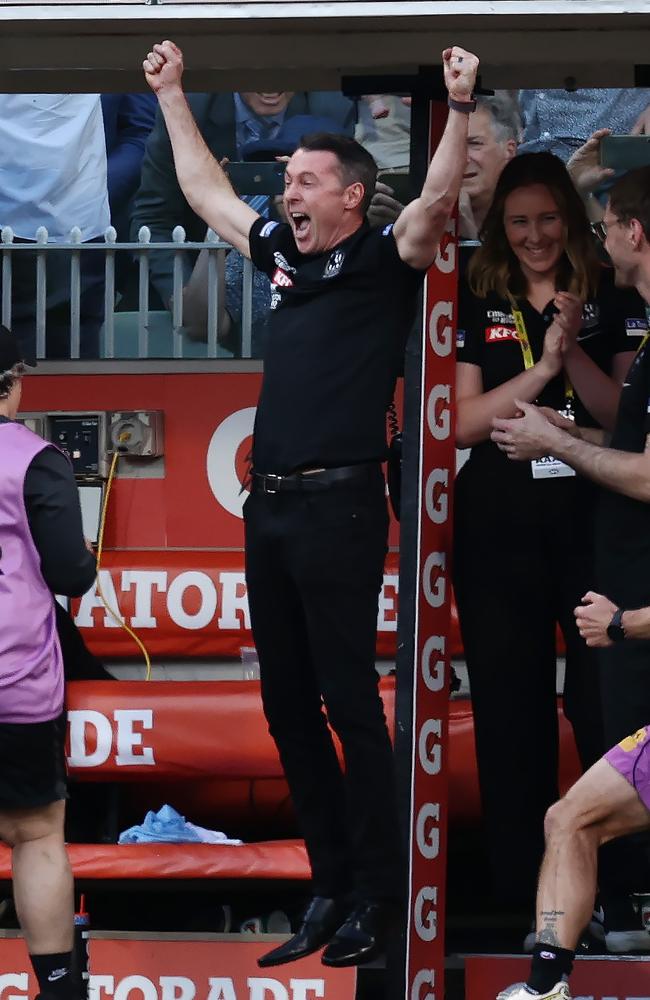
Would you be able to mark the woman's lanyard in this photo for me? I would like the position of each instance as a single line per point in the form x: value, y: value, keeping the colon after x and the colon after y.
x: 546, y: 467
x: 529, y: 361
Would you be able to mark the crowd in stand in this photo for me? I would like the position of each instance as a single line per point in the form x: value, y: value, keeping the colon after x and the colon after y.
x: 90, y: 162
x: 533, y: 193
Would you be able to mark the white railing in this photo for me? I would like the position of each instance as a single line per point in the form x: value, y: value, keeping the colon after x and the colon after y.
x: 142, y: 250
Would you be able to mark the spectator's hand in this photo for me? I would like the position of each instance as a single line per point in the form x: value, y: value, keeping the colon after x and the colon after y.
x: 460, y: 69
x: 526, y: 437
x: 384, y: 207
x: 642, y: 124
x: 376, y: 105
x: 568, y: 319
x: 90, y: 546
x: 592, y: 617
x: 163, y: 66
x: 584, y: 166
x: 467, y: 223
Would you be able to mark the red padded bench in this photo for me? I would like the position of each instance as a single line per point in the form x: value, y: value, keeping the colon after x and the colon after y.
x: 205, y: 748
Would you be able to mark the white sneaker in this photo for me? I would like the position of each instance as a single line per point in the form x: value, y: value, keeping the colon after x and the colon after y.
x: 519, y: 991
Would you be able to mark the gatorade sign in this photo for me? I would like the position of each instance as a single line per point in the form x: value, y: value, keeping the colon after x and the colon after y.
x: 168, y: 969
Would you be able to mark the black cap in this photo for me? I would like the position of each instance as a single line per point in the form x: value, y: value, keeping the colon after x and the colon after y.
x: 11, y: 353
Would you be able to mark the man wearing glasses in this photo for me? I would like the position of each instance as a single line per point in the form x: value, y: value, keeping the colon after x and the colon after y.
x: 613, y: 797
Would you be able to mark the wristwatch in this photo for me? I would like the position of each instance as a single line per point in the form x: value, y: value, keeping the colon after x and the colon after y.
x: 465, y: 107
x: 615, y: 630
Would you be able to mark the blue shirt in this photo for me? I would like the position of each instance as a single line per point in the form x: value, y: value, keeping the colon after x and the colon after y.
x: 249, y: 126
x: 559, y: 121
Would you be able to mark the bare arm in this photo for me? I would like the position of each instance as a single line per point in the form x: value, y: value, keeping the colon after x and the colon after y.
x: 532, y: 436
x: 419, y: 229
x: 204, y: 183
x: 595, y: 614
x: 195, y: 300
x: 476, y: 409
x: 636, y: 623
x: 599, y: 392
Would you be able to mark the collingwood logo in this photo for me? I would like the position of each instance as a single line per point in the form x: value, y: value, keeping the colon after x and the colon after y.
x: 334, y: 264
x: 590, y: 315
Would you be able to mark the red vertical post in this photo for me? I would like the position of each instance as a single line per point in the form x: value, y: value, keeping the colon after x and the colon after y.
x: 431, y: 607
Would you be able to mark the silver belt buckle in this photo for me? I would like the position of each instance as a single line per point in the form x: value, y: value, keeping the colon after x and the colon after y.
x: 265, y: 487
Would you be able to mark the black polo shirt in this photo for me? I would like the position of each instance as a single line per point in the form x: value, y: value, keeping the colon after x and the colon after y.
x: 614, y: 322
x: 623, y: 524
x: 338, y: 327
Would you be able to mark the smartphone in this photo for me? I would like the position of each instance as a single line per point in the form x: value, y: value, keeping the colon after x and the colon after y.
x: 625, y: 152
x: 400, y: 183
x: 256, y: 178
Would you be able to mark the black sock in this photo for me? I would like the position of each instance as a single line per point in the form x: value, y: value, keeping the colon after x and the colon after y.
x: 54, y: 974
x: 550, y: 964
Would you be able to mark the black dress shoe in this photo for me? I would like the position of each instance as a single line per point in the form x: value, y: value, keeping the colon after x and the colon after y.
x: 363, y: 936
x: 319, y: 923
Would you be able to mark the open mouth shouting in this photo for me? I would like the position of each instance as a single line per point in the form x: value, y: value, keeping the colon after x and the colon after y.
x: 301, y: 225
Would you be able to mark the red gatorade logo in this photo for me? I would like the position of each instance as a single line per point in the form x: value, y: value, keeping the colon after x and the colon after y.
x: 495, y: 334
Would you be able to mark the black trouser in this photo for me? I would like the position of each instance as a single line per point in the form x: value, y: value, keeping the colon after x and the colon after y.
x: 314, y: 568
x: 514, y: 581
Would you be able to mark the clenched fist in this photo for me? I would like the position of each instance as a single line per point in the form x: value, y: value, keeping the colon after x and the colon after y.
x: 163, y: 66
x: 460, y: 69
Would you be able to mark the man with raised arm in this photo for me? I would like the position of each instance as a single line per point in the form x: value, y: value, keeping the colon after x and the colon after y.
x: 343, y: 301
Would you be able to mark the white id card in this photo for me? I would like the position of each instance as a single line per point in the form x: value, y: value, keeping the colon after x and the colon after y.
x: 550, y: 468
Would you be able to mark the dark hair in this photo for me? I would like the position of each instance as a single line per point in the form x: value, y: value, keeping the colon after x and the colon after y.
x: 495, y: 268
x: 357, y: 165
x: 9, y: 378
x: 629, y: 198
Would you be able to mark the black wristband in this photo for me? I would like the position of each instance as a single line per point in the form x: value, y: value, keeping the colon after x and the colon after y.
x: 465, y: 107
x: 615, y: 629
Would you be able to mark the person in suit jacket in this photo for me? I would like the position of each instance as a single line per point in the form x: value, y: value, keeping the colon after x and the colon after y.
x: 128, y: 120
x: 226, y: 122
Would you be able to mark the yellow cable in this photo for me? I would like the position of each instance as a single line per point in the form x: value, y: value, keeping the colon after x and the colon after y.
x: 100, y: 548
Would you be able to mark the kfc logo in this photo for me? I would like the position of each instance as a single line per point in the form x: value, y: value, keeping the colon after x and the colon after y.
x: 495, y: 334
x: 281, y: 279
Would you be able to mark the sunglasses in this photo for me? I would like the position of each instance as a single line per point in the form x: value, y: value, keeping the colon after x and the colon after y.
x: 599, y: 229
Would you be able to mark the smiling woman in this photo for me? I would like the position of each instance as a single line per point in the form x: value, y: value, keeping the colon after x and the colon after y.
x: 535, y: 230
x: 540, y: 321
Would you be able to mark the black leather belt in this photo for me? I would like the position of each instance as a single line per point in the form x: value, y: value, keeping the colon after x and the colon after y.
x: 320, y: 480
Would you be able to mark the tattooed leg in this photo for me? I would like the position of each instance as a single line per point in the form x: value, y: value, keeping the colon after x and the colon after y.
x: 602, y: 805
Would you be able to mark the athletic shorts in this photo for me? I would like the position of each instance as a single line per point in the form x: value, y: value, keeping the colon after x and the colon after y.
x: 631, y: 758
x: 32, y: 763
